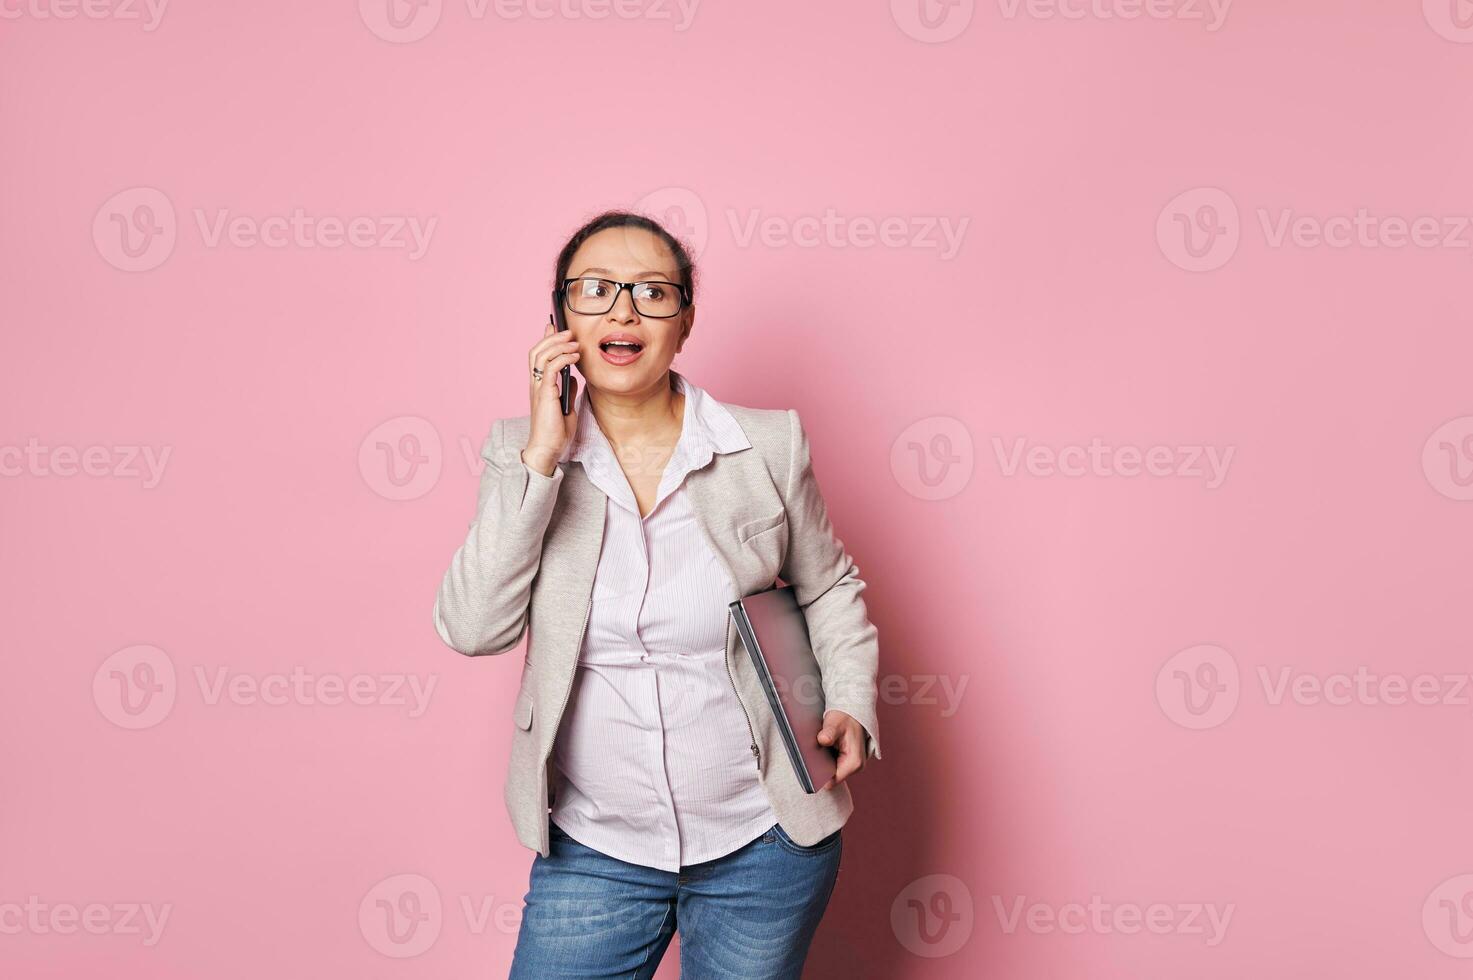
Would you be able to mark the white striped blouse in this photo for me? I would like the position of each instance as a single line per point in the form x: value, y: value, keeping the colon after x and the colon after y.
x: 653, y: 758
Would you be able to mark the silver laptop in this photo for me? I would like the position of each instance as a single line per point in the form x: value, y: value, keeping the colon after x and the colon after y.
x: 775, y: 633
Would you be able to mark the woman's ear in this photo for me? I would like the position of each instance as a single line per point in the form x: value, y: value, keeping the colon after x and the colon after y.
x: 688, y: 320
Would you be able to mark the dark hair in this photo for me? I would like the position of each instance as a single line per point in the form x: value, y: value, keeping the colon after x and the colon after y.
x: 685, y: 267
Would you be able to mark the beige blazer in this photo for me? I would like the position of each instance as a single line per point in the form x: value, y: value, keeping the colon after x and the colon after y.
x: 527, y: 566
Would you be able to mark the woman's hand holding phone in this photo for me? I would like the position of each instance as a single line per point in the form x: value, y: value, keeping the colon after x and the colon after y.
x: 551, y: 429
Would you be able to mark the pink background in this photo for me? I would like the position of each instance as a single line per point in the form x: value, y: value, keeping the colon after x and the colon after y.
x: 1074, y: 309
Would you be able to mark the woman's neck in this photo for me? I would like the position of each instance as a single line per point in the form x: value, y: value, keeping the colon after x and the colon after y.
x: 638, y: 420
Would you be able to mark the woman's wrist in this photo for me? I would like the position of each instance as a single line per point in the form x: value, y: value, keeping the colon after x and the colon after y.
x: 541, y: 460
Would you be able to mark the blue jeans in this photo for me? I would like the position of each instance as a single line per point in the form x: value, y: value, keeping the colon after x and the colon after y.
x: 749, y: 914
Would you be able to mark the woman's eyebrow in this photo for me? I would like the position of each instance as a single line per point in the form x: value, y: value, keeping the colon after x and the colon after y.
x: 664, y: 276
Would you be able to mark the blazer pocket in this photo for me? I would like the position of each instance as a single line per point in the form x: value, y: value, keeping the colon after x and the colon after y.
x: 751, y: 529
x: 523, y: 712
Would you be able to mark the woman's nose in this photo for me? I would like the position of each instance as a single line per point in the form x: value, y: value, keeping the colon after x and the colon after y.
x: 623, y: 308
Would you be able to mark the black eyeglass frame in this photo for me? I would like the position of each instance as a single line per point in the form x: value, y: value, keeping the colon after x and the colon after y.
x: 685, y: 297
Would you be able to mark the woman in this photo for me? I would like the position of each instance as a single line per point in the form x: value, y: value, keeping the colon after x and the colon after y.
x: 615, y: 537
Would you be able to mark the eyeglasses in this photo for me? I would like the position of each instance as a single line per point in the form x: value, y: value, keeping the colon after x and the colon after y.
x: 654, y: 298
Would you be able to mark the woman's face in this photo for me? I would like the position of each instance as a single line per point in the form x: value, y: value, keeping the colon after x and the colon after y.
x: 625, y: 255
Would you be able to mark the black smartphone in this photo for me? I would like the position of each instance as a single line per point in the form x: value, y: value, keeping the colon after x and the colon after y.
x: 560, y: 322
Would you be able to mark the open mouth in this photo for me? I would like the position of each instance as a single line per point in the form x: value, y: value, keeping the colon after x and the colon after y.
x: 620, y: 349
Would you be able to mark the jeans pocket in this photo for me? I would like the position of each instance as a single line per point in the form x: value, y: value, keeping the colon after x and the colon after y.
x: 788, y: 844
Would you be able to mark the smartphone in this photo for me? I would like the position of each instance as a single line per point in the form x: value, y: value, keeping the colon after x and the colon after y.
x: 560, y: 322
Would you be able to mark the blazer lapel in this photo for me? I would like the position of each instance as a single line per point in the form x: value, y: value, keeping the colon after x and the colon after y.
x: 729, y: 493
x: 731, y: 496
